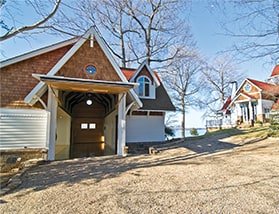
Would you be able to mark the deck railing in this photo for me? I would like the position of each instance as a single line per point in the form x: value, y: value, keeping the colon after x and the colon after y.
x: 219, y: 123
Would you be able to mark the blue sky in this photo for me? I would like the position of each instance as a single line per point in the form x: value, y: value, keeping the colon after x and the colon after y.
x: 208, y: 34
x: 205, y: 29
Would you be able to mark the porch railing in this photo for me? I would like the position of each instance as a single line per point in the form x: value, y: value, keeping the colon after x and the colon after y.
x: 218, y: 123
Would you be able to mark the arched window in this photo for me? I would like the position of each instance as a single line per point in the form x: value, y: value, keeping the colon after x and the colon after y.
x: 144, y: 86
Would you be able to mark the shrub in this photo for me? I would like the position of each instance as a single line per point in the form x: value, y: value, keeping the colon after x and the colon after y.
x: 169, y: 132
x: 273, y: 131
x: 194, y: 132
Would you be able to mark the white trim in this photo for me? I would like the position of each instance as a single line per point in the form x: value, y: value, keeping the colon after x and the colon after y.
x: 52, y: 105
x: 255, y: 85
x: 132, y: 79
x: 121, y: 127
x: 37, y: 52
x: 151, y: 88
x: 242, y: 84
x: 241, y: 101
x: 40, y: 88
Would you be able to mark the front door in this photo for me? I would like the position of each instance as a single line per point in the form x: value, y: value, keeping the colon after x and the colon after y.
x: 88, y: 131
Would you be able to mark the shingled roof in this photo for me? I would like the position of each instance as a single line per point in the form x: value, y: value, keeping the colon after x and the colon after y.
x: 226, y: 105
x: 275, y: 71
x: 265, y: 86
x: 162, y: 102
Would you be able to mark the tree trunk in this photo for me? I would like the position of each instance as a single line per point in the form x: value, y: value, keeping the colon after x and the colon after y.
x: 183, y: 119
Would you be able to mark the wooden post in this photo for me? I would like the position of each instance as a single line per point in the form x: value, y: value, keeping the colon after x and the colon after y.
x: 251, y: 113
x: 52, y: 106
x: 121, y: 141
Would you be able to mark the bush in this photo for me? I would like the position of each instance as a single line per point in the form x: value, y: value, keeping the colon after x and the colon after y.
x: 275, y: 119
x: 273, y: 131
x: 194, y: 132
x: 169, y: 132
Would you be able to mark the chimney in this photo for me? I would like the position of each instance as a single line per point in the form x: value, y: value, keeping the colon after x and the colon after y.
x: 234, y: 88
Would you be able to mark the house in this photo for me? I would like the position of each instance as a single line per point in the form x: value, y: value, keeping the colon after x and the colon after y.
x: 253, y: 101
x: 73, y: 100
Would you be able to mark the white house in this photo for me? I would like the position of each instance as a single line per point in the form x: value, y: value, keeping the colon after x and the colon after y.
x: 253, y: 101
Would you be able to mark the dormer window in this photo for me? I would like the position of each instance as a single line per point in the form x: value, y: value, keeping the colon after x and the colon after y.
x: 144, y: 86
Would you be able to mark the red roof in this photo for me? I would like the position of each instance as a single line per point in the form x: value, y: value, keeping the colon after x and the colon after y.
x: 128, y: 72
x: 157, y: 76
x: 227, y: 103
x: 265, y: 86
x: 275, y: 71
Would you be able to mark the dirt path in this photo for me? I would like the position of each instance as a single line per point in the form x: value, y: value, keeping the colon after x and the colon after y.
x: 214, y: 175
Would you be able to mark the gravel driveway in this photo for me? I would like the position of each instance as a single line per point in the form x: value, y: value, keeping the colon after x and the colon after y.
x: 213, y: 175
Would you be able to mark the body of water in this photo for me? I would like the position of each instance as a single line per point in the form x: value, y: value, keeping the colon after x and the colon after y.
x: 177, y: 132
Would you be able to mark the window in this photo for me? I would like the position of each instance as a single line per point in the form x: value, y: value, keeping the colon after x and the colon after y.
x: 144, y: 86
x: 247, y: 88
x: 267, y: 113
x: 88, y: 125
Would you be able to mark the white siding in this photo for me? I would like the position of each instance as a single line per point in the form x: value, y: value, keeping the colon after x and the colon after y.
x: 145, y: 129
x: 267, y: 104
x: 23, y: 128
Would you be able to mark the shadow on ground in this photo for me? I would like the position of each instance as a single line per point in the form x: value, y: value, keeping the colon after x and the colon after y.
x: 98, y: 168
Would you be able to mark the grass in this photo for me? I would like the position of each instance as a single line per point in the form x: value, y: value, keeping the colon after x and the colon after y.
x: 273, y: 131
x: 253, y: 132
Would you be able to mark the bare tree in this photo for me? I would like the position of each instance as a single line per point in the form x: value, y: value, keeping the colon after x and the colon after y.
x: 182, y: 75
x: 110, y: 17
x: 158, y: 27
x: 253, y: 23
x: 137, y: 29
x: 13, y: 27
x: 216, y: 79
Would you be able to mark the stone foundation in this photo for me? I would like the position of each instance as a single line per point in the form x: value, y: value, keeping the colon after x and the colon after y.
x: 11, y: 159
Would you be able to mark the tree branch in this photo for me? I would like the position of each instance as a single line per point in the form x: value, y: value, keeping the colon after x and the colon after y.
x: 14, y: 31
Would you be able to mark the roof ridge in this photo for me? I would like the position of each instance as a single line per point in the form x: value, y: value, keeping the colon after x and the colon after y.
x: 38, y: 51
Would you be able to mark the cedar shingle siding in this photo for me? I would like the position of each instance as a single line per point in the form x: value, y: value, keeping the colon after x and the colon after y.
x: 84, y: 56
x: 17, y: 81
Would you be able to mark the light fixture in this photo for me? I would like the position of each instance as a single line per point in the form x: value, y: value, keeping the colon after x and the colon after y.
x: 89, y: 99
x: 89, y: 102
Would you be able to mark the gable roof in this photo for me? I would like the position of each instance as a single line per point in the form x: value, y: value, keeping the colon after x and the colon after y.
x: 162, y: 101
x: 265, y: 86
x: 226, y: 105
x: 145, y: 64
x: 128, y: 72
x: 91, y: 34
x: 275, y: 71
x: 37, y: 52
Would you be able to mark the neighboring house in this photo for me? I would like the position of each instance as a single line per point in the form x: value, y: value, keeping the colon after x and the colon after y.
x: 252, y: 101
x: 73, y: 99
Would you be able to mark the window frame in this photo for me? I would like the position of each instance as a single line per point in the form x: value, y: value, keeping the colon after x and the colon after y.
x: 144, y: 86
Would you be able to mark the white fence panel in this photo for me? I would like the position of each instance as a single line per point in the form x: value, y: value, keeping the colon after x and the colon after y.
x: 23, y: 128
